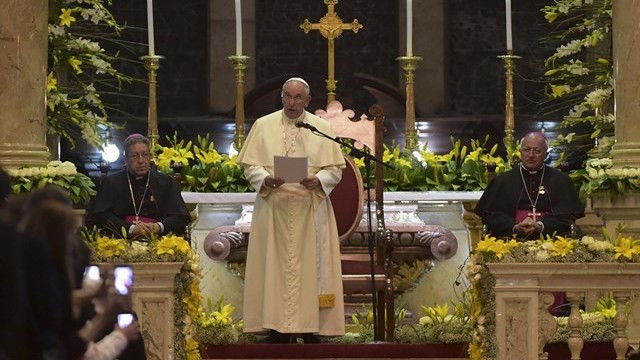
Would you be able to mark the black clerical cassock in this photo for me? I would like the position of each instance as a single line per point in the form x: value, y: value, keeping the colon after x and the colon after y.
x: 158, y: 200
x: 513, y: 195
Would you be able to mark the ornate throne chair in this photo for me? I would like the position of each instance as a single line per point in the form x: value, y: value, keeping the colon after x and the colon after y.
x: 347, y: 199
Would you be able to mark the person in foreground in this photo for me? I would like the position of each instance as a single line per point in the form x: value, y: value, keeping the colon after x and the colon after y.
x: 138, y: 199
x: 532, y: 198
x: 293, y: 280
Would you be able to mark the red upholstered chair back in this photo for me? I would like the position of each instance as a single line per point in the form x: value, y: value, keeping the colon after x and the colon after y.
x: 347, y: 199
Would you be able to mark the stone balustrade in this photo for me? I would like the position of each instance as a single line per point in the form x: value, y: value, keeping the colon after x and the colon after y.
x: 523, y: 295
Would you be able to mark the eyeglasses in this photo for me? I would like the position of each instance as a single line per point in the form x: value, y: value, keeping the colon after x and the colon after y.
x: 134, y: 156
x: 533, y: 151
x: 297, y: 99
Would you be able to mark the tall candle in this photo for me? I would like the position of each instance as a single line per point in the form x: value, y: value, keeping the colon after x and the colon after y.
x: 152, y: 50
x: 409, y: 27
x: 238, y: 29
x: 508, y: 15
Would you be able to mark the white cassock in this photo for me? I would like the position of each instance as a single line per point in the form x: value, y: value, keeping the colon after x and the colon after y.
x: 293, y: 278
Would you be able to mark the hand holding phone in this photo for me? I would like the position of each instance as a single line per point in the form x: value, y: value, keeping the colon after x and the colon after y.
x: 124, y: 320
x: 92, y: 272
x: 122, y: 279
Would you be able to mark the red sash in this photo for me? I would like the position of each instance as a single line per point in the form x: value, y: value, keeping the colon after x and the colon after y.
x: 523, y: 214
x: 129, y: 219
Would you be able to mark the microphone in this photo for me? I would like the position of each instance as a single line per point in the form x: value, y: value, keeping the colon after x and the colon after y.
x: 301, y: 124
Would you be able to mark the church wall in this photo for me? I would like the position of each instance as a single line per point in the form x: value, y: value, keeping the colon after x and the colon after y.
x: 429, y: 44
x: 221, y: 25
x: 283, y: 48
x: 475, y: 33
x: 180, y: 29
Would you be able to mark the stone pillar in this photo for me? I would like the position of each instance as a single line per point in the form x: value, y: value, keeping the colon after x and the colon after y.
x: 626, y: 56
x: 626, y: 151
x: 23, y: 78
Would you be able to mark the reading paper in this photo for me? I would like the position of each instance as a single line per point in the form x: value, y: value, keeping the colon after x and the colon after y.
x: 292, y: 169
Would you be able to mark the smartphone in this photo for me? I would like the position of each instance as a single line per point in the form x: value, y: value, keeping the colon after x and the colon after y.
x: 123, y: 279
x: 92, y: 272
x: 125, y: 320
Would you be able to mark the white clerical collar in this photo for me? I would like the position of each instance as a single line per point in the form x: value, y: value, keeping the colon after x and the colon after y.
x: 530, y: 171
x: 292, y: 121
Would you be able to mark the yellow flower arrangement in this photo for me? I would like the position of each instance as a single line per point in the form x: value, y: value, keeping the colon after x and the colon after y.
x: 171, y: 244
x: 562, y: 246
x: 170, y: 248
x: 498, y: 247
x: 207, y: 156
x: 626, y: 247
x: 550, y: 249
x: 170, y: 156
x: 111, y: 247
x: 216, y: 326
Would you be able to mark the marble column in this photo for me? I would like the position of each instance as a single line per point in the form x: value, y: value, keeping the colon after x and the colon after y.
x: 23, y: 77
x: 626, y: 151
x: 626, y: 56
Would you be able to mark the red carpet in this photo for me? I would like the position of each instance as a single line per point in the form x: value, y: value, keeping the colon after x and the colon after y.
x: 591, y: 351
x: 328, y: 351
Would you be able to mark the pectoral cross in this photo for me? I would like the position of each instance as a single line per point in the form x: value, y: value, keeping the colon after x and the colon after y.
x: 330, y: 27
x: 534, y: 214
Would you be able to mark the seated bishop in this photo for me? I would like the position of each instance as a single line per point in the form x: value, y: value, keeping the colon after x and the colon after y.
x: 531, y: 199
x: 142, y: 201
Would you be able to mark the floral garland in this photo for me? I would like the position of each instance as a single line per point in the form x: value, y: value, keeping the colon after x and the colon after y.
x: 558, y: 249
x: 79, y: 187
x: 187, y: 295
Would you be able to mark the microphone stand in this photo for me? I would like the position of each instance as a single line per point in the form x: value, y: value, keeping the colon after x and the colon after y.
x: 370, y: 234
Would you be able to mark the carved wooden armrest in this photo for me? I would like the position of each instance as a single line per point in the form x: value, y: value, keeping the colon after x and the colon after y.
x: 227, y: 243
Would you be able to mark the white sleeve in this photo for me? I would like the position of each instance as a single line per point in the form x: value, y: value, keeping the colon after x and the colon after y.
x: 329, y: 177
x: 255, y: 175
x: 108, y: 348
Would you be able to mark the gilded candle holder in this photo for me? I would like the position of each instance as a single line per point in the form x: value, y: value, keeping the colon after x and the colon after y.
x: 152, y: 64
x: 409, y: 65
x: 509, y: 124
x: 239, y: 63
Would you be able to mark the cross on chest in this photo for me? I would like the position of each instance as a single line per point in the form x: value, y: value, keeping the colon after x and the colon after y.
x: 534, y: 214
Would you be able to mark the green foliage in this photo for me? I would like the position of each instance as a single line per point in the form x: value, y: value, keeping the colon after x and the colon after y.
x: 80, y: 70
x: 579, y: 74
x: 205, y: 169
x: 422, y: 170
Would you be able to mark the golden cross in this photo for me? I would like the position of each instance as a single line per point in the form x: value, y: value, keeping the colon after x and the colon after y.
x: 330, y: 27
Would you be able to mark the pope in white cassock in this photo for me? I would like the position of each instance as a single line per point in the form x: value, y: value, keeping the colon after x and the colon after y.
x: 293, y: 279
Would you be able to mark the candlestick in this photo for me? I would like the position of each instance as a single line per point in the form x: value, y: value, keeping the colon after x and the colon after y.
x: 409, y: 65
x: 152, y: 50
x: 239, y: 65
x: 508, y: 16
x: 152, y: 64
x: 509, y: 124
x: 409, y: 28
x: 238, y: 28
